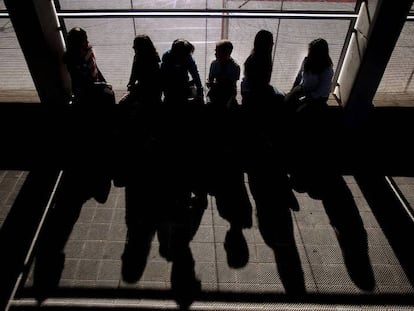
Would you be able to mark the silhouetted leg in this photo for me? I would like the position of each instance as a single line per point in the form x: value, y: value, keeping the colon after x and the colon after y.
x: 141, y: 217
x: 184, y: 283
x: 273, y: 204
x: 136, y: 251
x: 233, y: 205
x: 50, y: 257
x: 349, y: 228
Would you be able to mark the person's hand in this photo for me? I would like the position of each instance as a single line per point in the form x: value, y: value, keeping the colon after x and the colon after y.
x: 124, y: 99
x: 125, y: 96
x: 199, y: 100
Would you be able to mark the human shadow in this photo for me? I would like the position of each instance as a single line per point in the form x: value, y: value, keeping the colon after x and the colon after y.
x: 86, y: 175
x: 233, y: 205
x: 180, y: 227
x: 274, y: 200
x: 226, y: 180
x: 343, y: 213
x: 76, y: 187
x: 176, y: 174
x: 167, y: 215
x: 142, y: 218
x: 322, y: 180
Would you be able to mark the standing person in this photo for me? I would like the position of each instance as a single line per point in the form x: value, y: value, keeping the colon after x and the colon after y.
x: 141, y: 171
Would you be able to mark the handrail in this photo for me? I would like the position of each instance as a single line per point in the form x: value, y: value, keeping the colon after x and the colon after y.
x: 30, y: 252
x: 400, y: 196
x: 202, y: 13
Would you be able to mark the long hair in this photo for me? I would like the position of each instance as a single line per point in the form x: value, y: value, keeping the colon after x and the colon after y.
x: 318, y: 58
x: 75, y: 39
x: 258, y: 65
x: 145, y: 48
x: 263, y: 42
x: 145, y: 66
x: 181, y: 48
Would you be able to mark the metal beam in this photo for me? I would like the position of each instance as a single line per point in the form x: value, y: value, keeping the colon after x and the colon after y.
x: 39, y: 34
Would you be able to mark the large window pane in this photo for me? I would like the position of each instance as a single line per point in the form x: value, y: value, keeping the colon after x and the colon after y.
x: 327, y: 5
x: 339, y: 5
x: 94, y: 5
x: 112, y: 40
x: 397, y: 85
x: 16, y: 84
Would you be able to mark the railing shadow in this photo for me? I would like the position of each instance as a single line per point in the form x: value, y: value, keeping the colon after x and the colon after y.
x: 391, y: 216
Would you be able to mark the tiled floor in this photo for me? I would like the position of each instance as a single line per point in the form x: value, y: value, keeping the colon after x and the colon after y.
x: 92, y: 271
x: 10, y: 184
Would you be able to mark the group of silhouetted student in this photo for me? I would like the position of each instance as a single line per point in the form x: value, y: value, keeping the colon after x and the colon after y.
x: 170, y: 145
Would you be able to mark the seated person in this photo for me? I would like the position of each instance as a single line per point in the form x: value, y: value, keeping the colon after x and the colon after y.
x: 223, y: 76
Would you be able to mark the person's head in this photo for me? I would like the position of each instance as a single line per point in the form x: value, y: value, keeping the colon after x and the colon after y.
x: 77, y: 41
x: 144, y: 47
x: 263, y: 42
x: 318, y: 48
x: 318, y: 55
x: 181, y: 48
x: 223, y: 50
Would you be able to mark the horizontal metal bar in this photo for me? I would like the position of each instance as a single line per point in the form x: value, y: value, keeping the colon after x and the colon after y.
x: 209, y: 14
x: 225, y: 13
x: 174, y: 13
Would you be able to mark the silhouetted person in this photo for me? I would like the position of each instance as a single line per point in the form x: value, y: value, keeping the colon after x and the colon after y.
x: 181, y: 155
x: 223, y: 76
x: 258, y: 94
x: 226, y: 174
x: 139, y: 109
x: 221, y: 99
x: 268, y: 180
x: 307, y: 102
x: 85, y: 174
x: 140, y: 171
x: 86, y: 77
x: 183, y: 116
x: 261, y: 101
x: 312, y: 84
x: 91, y: 120
x: 177, y: 64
